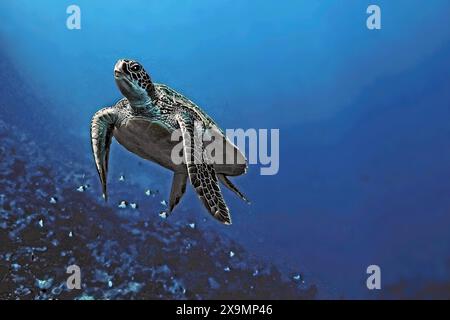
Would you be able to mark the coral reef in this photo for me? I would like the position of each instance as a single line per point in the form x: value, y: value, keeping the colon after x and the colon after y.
x: 49, y: 220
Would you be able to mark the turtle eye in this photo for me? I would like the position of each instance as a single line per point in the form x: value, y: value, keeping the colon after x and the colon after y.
x: 135, y: 68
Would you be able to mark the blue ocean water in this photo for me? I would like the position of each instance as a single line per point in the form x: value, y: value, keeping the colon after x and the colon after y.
x: 363, y: 116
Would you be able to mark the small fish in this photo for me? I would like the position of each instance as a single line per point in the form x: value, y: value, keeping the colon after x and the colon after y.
x: 70, y: 234
x: 231, y: 254
x: 297, y: 277
x: 163, y: 214
x: 255, y: 273
x: 122, y: 178
x: 44, y: 284
x: 191, y: 225
x: 133, y: 205
x: 110, y: 284
x: 123, y: 204
x: 164, y: 203
x: 152, y: 193
x: 53, y: 200
x: 227, y: 269
x: 41, y: 223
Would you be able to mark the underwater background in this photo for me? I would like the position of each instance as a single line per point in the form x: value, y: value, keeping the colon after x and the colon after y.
x: 364, y: 173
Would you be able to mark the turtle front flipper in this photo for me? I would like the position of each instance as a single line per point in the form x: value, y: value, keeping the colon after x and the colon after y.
x: 102, y: 126
x: 201, y: 173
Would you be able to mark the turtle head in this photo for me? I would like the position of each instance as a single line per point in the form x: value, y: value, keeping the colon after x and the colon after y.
x: 134, y: 82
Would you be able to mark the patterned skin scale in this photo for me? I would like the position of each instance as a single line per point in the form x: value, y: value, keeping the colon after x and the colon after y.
x: 142, y: 123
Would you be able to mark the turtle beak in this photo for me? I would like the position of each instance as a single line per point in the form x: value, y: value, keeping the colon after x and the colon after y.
x: 118, y: 69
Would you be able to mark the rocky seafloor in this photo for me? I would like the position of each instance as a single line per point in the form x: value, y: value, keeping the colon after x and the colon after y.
x: 50, y: 219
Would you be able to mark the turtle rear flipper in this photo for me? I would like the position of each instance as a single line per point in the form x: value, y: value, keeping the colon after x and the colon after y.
x: 102, y: 126
x: 201, y: 173
x: 227, y: 183
x: 178, y: 189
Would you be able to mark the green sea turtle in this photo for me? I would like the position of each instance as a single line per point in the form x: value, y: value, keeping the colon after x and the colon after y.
x: 144, y: 121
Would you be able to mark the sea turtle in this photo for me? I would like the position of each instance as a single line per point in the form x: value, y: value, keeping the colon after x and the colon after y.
x: 144, y: 122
